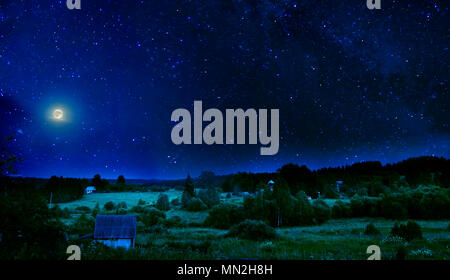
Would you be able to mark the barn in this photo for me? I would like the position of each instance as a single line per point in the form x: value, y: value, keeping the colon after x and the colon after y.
x: 115, y: 230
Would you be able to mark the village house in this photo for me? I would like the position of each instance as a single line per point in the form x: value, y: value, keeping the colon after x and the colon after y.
x: 115, y: 230
x: 89, y: 189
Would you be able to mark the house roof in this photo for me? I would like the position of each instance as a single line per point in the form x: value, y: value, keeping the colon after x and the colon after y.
x: 90, y: 188
x: 115, y: 226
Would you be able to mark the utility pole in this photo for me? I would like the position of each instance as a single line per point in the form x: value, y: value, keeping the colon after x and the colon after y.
x: 51, y: 196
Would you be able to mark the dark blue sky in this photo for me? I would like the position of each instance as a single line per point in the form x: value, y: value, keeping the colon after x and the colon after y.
x: 351, y: 84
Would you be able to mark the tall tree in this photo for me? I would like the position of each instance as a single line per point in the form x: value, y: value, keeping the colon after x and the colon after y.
x: 120, y: 180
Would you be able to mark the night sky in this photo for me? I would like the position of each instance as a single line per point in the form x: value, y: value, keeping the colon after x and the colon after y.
x: 351, y: 84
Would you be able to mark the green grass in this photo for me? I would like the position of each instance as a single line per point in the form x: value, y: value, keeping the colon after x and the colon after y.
x: 131, y: 198
x: 339, y: 239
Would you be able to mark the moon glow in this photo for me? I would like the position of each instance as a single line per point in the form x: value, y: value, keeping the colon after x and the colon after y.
x: 58, y: 114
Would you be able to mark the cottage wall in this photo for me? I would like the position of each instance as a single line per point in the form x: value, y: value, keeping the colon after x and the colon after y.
x: 115, y: 243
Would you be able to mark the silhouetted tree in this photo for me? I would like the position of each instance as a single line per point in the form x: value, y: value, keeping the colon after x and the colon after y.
x: 189, y: 186
x: 120, y: 180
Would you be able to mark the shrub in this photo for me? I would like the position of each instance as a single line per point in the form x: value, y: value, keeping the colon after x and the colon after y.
x: 321, y: 211
x: 195, y: 205
x: 210, y: 196
x: 109, y: 206
x: 448, y: 227
x: 223, y: 216
x: 341, y: 210
x: 401, y: 254
x: 175, y: 221
x: 185, y: 198
x: 83, y: 209
x: 96, y: 210
x: 121, y: 211
x: 364, y: 206
x: 60, y: 213
x: 141, y: 202
x: 137, y: 209
x: 371, y: 230
x: 140, y: 227
x: 394, y: 207
x: 330, y: 192
x: 83, y: 225
x: 156, y: 229
x: 152, y: 217
x: 252, y: 230
x: 362, y: 191
x: 175, y: 202
x: 410, y: 231
x: 122, y: 205
x: 163, y: 202
x: 304, y: 209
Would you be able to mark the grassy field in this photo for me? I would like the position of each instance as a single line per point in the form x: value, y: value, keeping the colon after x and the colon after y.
x: 131, y: 198
x: 340, y: 239
x: 335, y: 239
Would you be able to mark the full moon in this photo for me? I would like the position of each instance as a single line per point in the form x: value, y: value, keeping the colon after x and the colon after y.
x: 58, y: 114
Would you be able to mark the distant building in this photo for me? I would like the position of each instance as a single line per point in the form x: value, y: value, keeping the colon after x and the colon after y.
x: 338, y: 185
x: 115, y: 230
x: 89, y: 189
x: 270, y: 185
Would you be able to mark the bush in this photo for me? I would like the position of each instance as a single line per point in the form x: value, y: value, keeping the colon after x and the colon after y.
x: 330, y: 192
x: 401, y: 254
x: 448, y: 227
x: 141, y: 202
x: 371, y: 230
x: 321, y: 210
x: 137, y: 209
x: 96, y: 210
x: 57, y: 212
x: 341, y: 210
x: 186, y: 198
x: 304, y: 209
x: 195, y: 205
x: 152, y: 217
x: 252, y: 230
x: 121, y: 211
x: 163, y: 202
x: 156, y: 229
x: 210, y: 196
x: 83, y: 225
x: 223, y: 216
x: 175, y: 221
x: 109, y: 206
x: 83, y: 209
x: 175, y: 202
x: 410, y: 231
x: 122, y: 205
x: 364, y: 206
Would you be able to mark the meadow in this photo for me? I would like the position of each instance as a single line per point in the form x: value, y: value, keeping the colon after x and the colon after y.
x: 334, y: 239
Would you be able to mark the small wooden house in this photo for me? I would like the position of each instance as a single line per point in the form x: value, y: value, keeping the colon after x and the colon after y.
x: 115, y: 230
x: 89, y: 189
